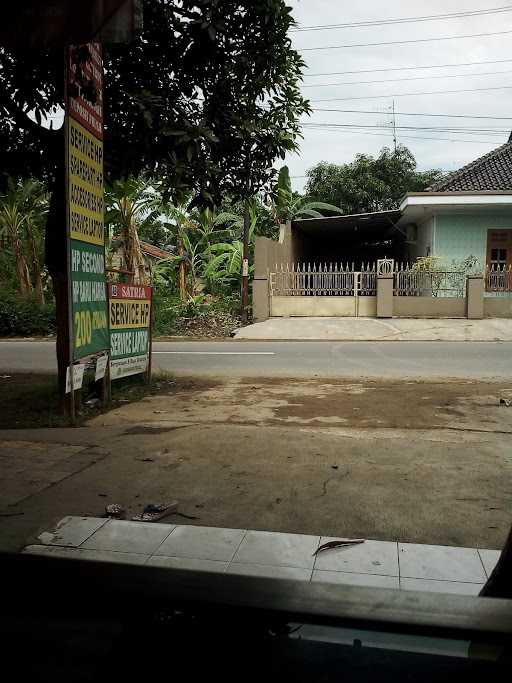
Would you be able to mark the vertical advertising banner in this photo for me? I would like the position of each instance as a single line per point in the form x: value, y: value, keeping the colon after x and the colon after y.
x: 130, y: 329
x: 85, y: 190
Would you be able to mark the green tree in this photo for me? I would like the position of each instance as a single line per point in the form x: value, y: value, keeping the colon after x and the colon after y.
x: 369, y: 183
x: 208, y: 95
x: 224, y: 259
x: 287, y: 205
x: 131, y: 203
x: 22, y: 211
x: 208, y: 91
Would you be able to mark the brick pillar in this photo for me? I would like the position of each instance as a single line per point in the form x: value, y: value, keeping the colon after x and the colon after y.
x: 475, y: 297
x: 385, y: 296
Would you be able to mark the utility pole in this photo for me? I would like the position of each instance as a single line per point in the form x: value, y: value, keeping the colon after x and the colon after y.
x: 245, y: 263
x: 394, y: 126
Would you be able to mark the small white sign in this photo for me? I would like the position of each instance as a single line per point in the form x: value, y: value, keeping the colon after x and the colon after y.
x: 245, y: 267
x: 101, y: 366
x: 123, y: 367
x: 78, y: 377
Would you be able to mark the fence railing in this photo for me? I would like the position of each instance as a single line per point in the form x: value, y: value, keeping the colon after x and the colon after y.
x: 335, y: 279
x: 498, y: 280
x: 411, y: 281
x: 331, y: 279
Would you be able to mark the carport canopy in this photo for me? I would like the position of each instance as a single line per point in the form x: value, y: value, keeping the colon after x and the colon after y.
x: 369, y: 226
x: 356, y: 237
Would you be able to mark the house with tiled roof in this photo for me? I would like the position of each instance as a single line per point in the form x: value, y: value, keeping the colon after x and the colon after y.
x: 464, y: 220
x: 466, y: 213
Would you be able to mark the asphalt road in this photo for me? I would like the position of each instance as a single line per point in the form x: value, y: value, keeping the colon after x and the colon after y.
x: 473, y: 360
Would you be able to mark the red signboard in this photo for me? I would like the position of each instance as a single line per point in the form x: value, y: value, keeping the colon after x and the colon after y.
x: 85, y: 87
x: 122, y: 291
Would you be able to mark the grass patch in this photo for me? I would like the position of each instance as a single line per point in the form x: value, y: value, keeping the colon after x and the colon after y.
x: 30, y: 401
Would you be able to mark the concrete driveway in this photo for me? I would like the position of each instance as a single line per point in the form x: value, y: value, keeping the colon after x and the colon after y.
x: 373, y: 329
x: 421, y: 462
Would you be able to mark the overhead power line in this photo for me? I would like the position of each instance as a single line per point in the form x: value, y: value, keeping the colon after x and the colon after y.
x: 418, y: 137
x: 405, y: 42
x: 407, y: 68
x: 403, y: 113
x: 398, y: 80
x: 404, y: 20
x: 445, y: 129
x: 411, y: 94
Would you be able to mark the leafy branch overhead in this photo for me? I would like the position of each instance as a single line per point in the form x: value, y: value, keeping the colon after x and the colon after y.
x: 207, y: 96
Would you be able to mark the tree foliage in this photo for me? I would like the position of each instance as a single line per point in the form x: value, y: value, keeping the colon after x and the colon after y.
x: 286, y: 205
x: 22, y: 212
x: 369, y: 183
x: 208, y: 94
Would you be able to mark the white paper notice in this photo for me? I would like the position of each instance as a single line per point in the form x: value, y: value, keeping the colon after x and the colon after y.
x: 78, y: 377
x: 101, y: 366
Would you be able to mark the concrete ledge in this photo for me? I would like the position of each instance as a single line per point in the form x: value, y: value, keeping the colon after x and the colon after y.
x: 374, y: 329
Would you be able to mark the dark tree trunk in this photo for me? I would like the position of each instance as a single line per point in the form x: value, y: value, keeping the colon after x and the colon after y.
x: 245, y: 264
x: 56, y: 261
x: 499, y: 584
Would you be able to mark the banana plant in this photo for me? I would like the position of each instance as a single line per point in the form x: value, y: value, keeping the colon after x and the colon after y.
x: 287, y: 205
x: 22, y: 211
x: 226, y: 265
x: 131, y: 202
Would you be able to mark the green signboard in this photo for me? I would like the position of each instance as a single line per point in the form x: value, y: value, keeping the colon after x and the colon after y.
x: 89, y: 299
x: 85, y: 191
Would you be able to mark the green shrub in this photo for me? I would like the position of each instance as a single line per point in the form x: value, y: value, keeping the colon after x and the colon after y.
x: 25, y: 317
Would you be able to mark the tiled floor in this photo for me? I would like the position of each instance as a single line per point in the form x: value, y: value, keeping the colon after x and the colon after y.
x: 386, y: 564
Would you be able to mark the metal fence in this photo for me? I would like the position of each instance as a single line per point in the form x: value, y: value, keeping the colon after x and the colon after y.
x: 412, y: 281
x: 498, y: 280
x: 331, y: 279
x: 337, y: 279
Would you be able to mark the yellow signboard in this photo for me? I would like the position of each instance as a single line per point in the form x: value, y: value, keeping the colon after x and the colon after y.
x: 86, y: 204
x: 129, y: 314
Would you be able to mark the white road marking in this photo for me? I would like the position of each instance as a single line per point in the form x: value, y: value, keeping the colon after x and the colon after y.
x: 221, y: 353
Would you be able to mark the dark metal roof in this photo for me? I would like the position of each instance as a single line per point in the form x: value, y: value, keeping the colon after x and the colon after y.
x: 493, y: 171
x: 376, y: 222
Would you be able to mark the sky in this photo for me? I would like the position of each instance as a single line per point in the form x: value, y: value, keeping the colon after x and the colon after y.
x: 340, y: 144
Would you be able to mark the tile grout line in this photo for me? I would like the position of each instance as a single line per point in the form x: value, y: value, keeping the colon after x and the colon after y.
x: 315, y: 557
x: 164, y: 539
x: 482, y: 563
x: 230, y: 562
x: 64, y: 545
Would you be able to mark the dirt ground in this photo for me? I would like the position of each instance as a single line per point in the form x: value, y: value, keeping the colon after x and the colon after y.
x: 414, y: 461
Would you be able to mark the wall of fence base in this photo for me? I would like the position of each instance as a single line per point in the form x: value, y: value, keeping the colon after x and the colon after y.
x: 323, y: 306
x: 475, y: 297
x: 260, y: 299
x: 428, y: 307
x: 385, y: 296
x: 497, y: 307
x: 384, y: 291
